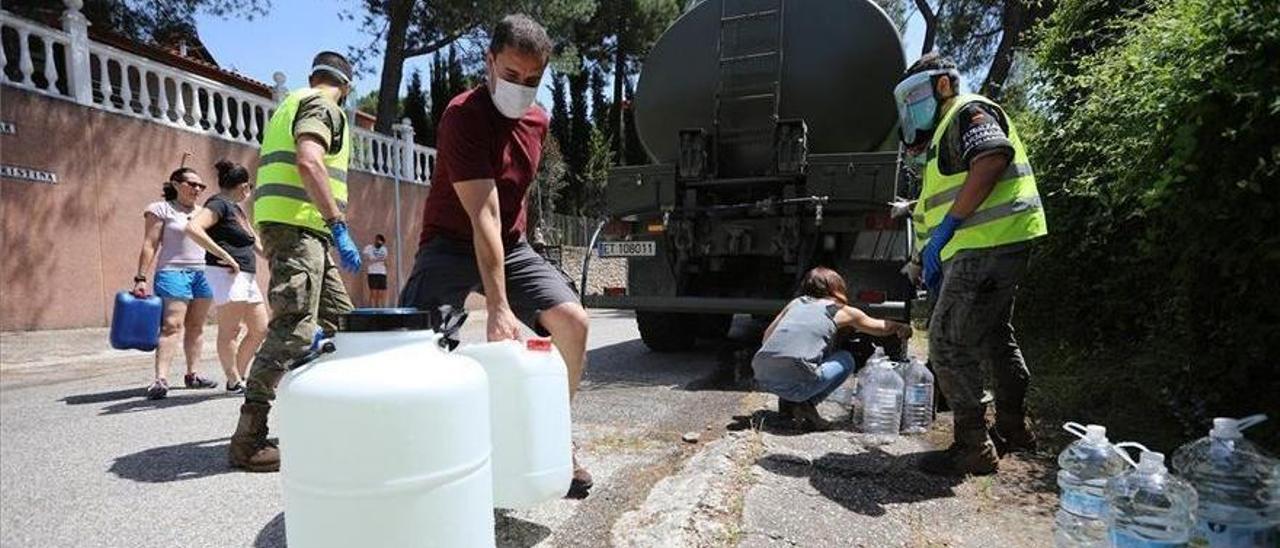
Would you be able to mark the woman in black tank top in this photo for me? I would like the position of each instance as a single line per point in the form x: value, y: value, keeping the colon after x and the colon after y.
x: 232, y: 247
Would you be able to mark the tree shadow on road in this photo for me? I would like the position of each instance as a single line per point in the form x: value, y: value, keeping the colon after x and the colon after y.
x: 185, y: 461
x: 511, y: 532
x: 864, y: 482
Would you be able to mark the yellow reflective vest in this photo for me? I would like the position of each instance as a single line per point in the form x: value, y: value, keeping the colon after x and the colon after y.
x: 281, y: 196
x: 1011, y: 213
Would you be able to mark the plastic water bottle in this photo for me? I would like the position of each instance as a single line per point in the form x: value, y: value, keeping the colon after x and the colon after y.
x: 1149, y: 507
x: 881, y: 402
x: 862, y: 381
x: 1236, y: 483
x: 917, y: 400
x: 1084, y: 468
x: 843, y: 396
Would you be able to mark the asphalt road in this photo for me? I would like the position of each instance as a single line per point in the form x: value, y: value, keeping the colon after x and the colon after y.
x: 86, y: 461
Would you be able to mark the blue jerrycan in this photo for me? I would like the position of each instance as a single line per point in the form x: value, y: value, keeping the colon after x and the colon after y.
x: 135, y: 323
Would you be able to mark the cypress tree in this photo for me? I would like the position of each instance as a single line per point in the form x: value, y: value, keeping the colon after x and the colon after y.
x: 559, y: 110
x: 578, y: 150
x: 415, y: 109
x: 599, y: 105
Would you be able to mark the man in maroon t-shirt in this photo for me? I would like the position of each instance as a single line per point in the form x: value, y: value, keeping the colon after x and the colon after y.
x: 473, y: 235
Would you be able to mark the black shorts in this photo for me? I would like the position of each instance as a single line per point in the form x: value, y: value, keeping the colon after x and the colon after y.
x: 445, y: 271
x: 377, y: 281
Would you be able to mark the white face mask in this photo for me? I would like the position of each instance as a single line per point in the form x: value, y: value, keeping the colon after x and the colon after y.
x: 512, y: 100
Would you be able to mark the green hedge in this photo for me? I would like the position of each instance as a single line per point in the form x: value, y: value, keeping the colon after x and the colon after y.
x: 1154, y: 304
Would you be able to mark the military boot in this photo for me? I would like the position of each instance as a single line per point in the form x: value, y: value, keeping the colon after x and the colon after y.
x: 1011, y: 435
x: 250, y: 449
x: 972, y: 453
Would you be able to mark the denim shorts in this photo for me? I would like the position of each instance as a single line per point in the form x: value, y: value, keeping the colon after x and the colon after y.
x: 182, y: 284
x: 828, y: 376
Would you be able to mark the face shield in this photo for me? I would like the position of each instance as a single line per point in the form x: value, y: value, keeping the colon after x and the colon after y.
x: 347, y: 101
x: 918, y: 105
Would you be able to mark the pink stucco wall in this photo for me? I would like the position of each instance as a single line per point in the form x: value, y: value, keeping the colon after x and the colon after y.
x: 69, y: 247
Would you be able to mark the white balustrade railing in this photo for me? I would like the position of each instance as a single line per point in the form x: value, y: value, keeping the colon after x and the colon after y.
x: 142, y: 88
x: 66, y: 64
x: 29, y: 46
x: 385, y: 155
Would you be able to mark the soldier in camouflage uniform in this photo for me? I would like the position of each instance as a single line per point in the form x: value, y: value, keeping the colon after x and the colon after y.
x: 978, y: 214
x: 299, y: 206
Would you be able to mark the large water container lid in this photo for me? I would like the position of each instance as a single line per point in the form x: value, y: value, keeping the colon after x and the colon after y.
x: 366, y: 320
x: 1151, y: 461
x: 1095, y: 433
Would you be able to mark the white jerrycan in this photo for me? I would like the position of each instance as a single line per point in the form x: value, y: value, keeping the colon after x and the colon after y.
x: 385, y: 442
x: 529, y: 406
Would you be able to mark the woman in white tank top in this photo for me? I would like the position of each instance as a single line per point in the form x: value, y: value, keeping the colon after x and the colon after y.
x: 179, y: 279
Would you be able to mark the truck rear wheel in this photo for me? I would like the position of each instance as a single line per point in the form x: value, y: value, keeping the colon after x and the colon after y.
x: 714, y: 326
x: 667, y: 331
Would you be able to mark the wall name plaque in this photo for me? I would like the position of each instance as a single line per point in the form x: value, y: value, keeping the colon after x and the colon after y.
x: 28, y: 174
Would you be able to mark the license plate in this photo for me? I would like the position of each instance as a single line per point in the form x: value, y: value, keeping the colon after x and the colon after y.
x: 628, y: 249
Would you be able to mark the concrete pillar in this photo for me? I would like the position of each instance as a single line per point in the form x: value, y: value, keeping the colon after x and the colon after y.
x: 280, y: 90
x: 405, y: 131
x: 80, y: 77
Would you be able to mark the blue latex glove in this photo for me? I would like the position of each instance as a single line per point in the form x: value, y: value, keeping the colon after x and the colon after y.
x: 932, y: 254
x: 316, y: 339
x: 347, y: 252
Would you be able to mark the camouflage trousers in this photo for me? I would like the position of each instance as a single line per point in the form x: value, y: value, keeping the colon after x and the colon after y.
x: 971, y: 325
x: 305, y: 292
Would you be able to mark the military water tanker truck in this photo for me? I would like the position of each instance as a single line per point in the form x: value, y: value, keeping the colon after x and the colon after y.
x: 771, y: 127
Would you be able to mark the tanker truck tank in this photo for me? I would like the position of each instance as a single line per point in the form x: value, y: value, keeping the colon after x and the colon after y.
x: 770, y: 125
x: 839, y: 62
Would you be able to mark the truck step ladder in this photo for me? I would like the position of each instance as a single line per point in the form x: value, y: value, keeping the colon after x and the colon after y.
x: 750, y: 63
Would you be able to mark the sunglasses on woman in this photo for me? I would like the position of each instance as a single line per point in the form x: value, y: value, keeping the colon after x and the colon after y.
x: 197, y: 186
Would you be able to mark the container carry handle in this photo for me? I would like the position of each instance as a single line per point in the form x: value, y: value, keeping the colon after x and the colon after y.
x: 1075, y: 428
x: 450, y: 322
x: 1122, y: 446
x: 1250, y: 420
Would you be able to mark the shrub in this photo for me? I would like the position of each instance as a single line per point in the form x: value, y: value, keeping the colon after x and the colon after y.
x: 1157, y: 149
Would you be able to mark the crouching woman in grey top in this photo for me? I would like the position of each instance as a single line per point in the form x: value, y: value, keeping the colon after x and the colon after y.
x: 798, y: 361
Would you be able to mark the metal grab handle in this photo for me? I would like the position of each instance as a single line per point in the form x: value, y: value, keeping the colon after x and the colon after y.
x: 326, y: 346
x: 447, y: 326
